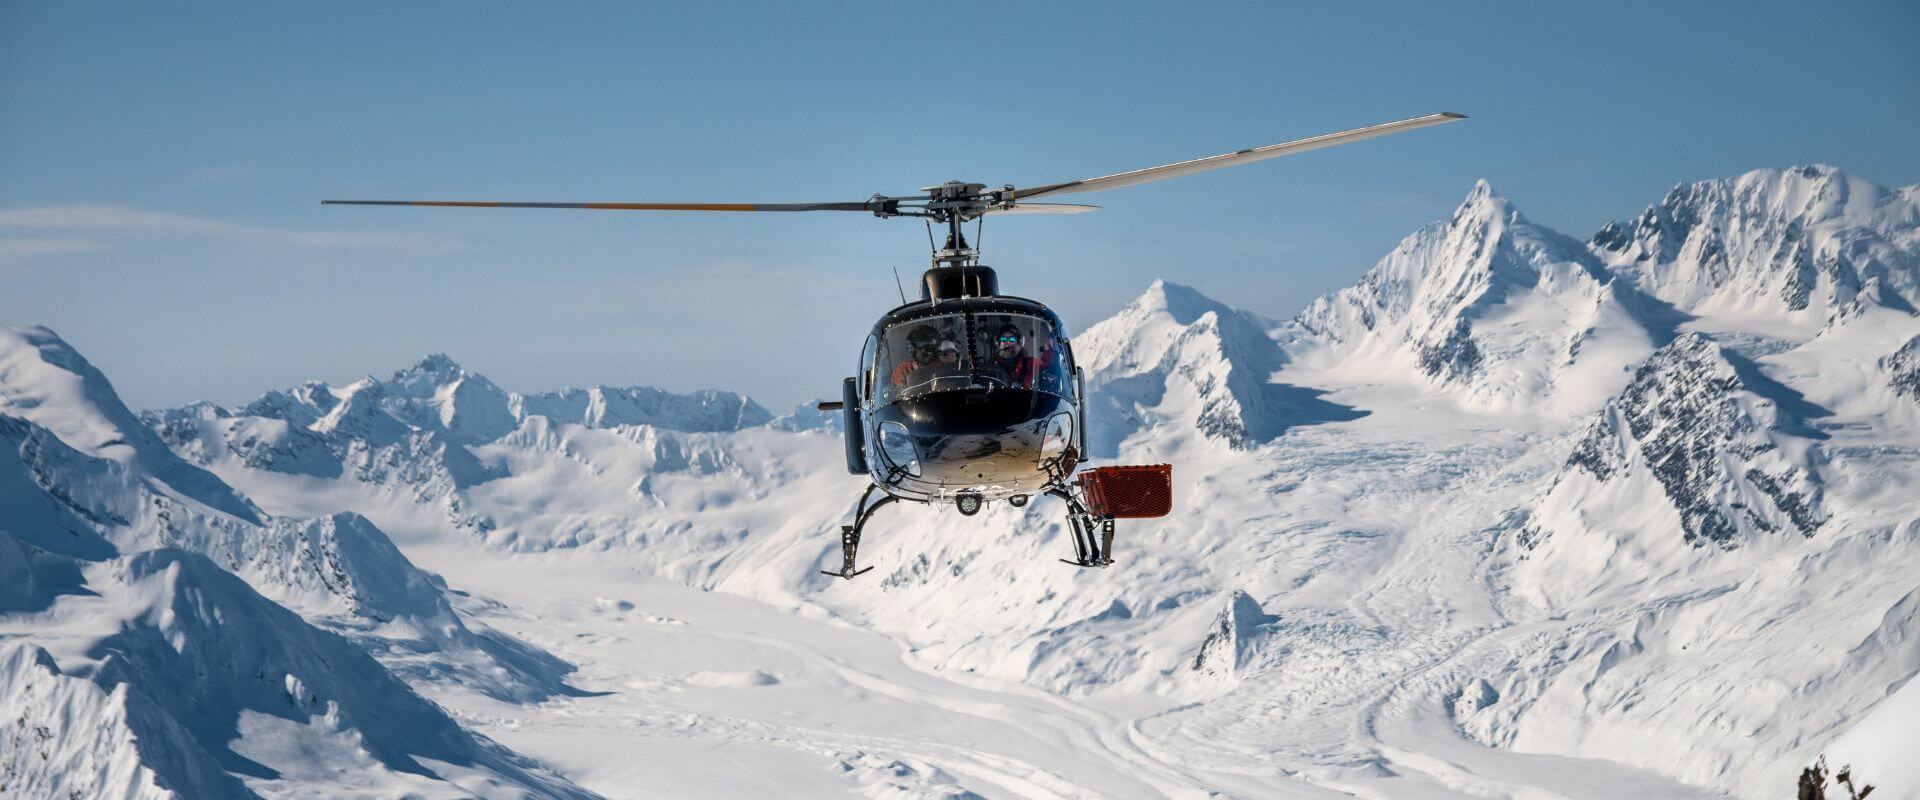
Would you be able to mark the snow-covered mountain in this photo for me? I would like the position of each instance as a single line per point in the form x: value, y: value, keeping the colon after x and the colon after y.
x: 1175, y: 356
x: 436, y: 395
x: 147, y: 638
x: 1689, y: 444
x: 1786, y: 246
x: 1515, y: 514
x: 1504, y: 312
x: 412, y: 435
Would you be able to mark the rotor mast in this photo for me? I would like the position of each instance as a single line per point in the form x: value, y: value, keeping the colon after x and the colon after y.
x: 952, y: 204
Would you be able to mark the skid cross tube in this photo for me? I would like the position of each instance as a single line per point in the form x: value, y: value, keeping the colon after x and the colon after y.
x: 850, y: 534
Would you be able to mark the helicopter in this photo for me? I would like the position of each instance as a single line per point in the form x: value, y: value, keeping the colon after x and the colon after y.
x: 968, y: 396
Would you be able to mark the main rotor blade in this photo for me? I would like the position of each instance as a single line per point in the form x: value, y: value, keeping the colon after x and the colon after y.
x: 867, y: 205
x: 1043, y: 208
x: 1237, y: 157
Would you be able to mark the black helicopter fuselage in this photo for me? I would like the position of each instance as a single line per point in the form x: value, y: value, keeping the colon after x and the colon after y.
x: 995, y: 412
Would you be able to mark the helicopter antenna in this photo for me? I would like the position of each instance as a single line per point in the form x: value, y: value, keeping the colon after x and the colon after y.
x: 896, y: 280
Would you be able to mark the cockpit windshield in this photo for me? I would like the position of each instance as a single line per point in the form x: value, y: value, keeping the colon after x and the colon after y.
x: 960, y: 351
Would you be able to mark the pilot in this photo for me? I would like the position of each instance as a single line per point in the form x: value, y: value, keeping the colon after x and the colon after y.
x: 922, y: 347
x: 1011, y: 359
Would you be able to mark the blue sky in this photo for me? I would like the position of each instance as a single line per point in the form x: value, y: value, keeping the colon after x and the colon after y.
x: 161, y: 164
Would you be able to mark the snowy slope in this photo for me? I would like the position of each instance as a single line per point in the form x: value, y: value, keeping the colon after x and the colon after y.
x: 45, y: 382
x: 1875, y: 754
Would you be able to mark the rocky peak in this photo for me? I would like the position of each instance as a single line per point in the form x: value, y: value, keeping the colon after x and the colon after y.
x: 300, y: 406
x: 1229, y: 644
x: 1446, y: 272
x: 1786, y: 242
x: 432, y: 370
x: 1184, y: 303
x: 1487, y: 301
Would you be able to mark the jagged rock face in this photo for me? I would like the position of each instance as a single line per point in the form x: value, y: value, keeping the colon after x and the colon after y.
x: 1800, y: 242
x: 1456, y: 356
x: 1903, y: 369
x: 1689, y: 422
x: 1488, y: 303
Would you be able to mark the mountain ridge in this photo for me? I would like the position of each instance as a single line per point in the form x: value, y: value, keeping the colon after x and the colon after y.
x: 1393, y: 527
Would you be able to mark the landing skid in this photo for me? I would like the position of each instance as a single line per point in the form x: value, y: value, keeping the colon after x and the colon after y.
x: 1092, y: 533
x: 850, y: 535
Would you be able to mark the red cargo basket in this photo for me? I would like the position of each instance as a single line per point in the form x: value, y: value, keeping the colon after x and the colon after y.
x: 1129, y: 492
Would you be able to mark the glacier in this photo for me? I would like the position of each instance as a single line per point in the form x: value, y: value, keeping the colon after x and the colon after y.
x: 1518, y: 514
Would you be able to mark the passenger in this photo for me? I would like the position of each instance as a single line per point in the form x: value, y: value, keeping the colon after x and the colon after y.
x: 945, y: 365
x: 922, y: 349
x: 949, y: 362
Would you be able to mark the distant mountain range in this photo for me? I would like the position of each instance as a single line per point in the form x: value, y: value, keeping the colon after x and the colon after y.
x: 1645, y: 497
